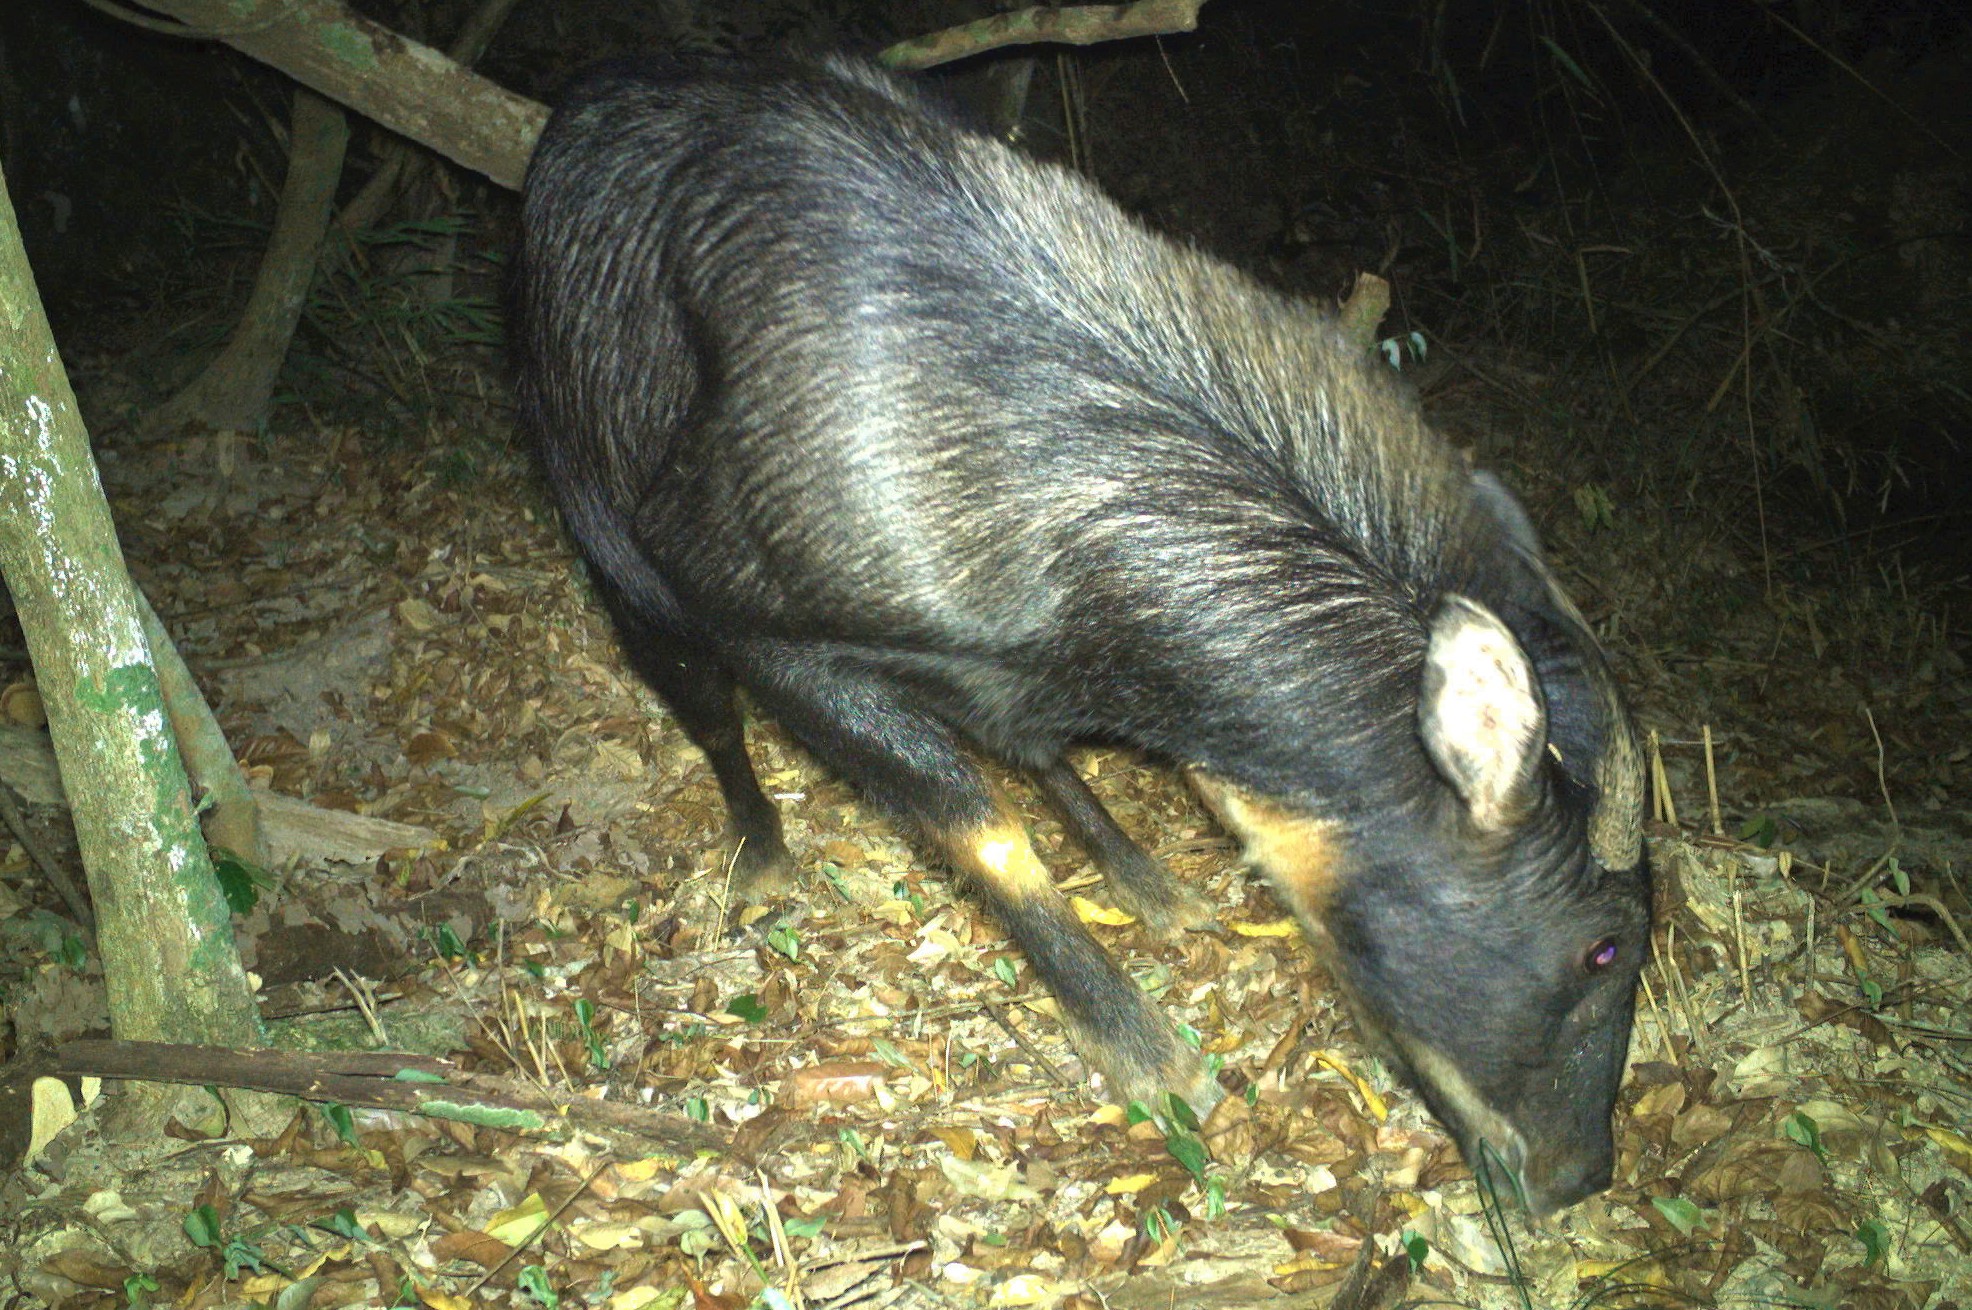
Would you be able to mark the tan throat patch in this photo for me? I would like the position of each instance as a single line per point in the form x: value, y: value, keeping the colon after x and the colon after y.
x: 1302, y: 856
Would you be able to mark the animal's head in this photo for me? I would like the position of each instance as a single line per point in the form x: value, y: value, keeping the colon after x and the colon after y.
x: 1489, y: 921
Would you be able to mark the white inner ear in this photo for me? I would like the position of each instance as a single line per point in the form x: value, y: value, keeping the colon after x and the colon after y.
x: 1480, y: 714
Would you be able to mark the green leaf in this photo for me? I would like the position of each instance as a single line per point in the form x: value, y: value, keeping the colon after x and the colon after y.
x: 1190, y: 1152
x: 237, y: 880
x: 852, y: 1139
x: 242, y: 1254
x: 1760, y: 830
x: 1875, y: 1239
x: 202, y: 1226
x: 809, y: 1227
x: 585, y: 1011
x: 448, y: 944
x: 416, y: 1076
x: 1682, y: 1214
x: 785, y: 939
x: 746, y: 1006
x: 1004, y: 971
x: 1873, y: 907
x: 1416, y: 1248
x: 1593, y: 504
x: 343, y: 1224
x: 343, y: 1122
x: 533, y: 1281
x: 1804, y: 1131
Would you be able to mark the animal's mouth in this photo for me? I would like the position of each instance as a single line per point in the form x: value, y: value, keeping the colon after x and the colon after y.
x: 1500, y: 1168
x: 1494, y: 1148
x: 1542, y: 1183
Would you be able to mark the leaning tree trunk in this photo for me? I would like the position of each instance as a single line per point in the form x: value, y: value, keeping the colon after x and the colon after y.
x: 409, y: 88
x: 161, y: 924
x: 417, y: 92
x: 236, y: 389
x: 399, y: 163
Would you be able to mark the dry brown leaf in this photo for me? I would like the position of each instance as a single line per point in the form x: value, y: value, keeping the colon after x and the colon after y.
x: 429, y: 746
x: 79, y: 1266
x: 847, y: 854
x: 837, y: 1082
x: 1665, y: 1098
x: 1809, y: 1212
x: 20, y: 703
x: 483, y: 1250
x: 1754, y: 1167
x: 1323, y: 1244
x: 1228, y: 1131
x: 1699, y: 1125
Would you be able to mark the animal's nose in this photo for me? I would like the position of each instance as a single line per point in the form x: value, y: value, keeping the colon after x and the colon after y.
x: 1571, y: 1179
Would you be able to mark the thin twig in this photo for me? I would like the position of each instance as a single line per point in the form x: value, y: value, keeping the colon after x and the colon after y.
x: 535, y: 1236
x: 1882, y: 785
x: 1930, y: 903
x: 1045, y: 1065
x: 1712, y: 784
x: 78, y: 904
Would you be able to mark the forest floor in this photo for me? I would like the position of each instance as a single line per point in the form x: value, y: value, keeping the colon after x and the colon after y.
x: 398, y: 628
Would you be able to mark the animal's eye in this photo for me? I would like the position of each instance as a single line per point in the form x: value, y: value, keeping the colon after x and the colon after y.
x: 1600, y: 954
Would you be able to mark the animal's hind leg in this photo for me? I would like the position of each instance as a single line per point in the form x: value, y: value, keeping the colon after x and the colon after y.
x: 1137, y: 882
x: 910, y: 763
x: 700, y: 691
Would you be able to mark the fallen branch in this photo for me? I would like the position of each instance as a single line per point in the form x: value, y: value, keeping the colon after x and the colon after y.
x: 411, y: 1084
x: 1073, y: 25
x: 294, y: 830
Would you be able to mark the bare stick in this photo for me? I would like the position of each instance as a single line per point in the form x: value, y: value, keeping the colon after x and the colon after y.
x: 1075, y: 25
x: 378, y: 1079
x: 1712, y: 784
x: 78, y: 904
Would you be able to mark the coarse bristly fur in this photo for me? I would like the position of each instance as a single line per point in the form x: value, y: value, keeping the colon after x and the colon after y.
x: 934, y: 450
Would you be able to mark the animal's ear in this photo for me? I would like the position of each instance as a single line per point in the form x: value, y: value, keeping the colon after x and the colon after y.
x: 1481, y: 714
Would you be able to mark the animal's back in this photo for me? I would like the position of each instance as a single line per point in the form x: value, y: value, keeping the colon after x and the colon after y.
x: 961, y: 324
